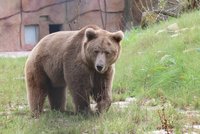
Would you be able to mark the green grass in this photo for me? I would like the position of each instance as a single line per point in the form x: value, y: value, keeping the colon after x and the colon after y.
x: 150, y: 66
x: 141, y: 72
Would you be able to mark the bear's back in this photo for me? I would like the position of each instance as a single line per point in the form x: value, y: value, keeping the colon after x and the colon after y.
x: 55, y: 42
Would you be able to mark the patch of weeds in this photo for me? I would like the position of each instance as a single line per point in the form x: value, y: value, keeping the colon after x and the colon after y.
x: 166, y: 122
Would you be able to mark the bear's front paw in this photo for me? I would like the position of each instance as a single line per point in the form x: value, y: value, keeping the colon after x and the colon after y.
x: 103, y: 105
x: 35, y: 114
x: 85, y: 112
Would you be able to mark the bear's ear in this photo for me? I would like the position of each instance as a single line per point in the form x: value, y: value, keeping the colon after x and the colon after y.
x: 118, y: 36
x: 90, y: 34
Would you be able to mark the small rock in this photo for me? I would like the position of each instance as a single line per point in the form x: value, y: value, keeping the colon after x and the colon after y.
x: 158, y: 132
x: 196, y: 126
x: 191, y: 133
x: 184, y: 29
x: 173, y: 28
x: 149, y: 108
x: 151, y: 102
x: 193, y: 126
x: 121, y: 104
x: 19, y: 78
x: 130, y: 99
x: 21, y: 107
x: 161, y: 31
x: 190, y: 113
x: 174, y: 35
x: 191, y: 49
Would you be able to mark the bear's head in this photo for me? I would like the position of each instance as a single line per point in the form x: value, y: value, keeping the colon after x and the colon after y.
x: 101, y: 48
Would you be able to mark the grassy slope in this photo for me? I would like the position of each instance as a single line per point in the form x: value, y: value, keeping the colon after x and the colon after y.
x: 140, y: 70
x: 139, y: 73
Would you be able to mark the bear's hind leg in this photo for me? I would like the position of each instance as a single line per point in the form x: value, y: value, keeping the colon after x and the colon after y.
x: 57, y: 98
x: 36, y: 92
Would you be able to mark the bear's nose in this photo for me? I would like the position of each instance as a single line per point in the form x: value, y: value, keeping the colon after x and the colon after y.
x: 99, y: 68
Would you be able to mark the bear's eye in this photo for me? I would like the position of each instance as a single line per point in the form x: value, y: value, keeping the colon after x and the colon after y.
x: 107, y: 53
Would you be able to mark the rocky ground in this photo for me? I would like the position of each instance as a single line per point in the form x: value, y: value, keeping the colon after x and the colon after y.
x: 188, y: 129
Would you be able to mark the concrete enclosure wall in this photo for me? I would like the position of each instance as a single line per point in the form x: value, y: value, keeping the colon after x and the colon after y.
x: 24, y: 22
x: 15, y: 15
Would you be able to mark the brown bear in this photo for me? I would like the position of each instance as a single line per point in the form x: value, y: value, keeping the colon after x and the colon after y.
x: 82, y: 61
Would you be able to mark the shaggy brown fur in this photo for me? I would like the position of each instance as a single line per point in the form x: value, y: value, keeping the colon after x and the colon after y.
x: 81, y: 60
